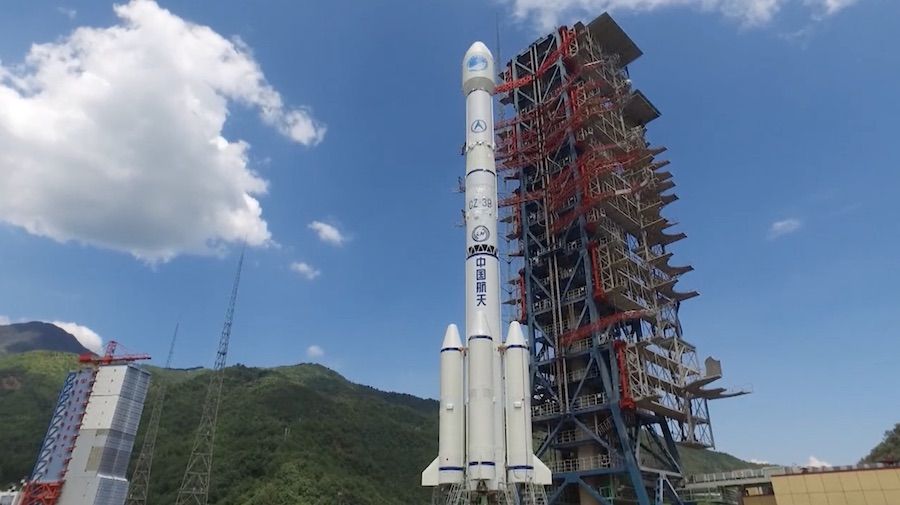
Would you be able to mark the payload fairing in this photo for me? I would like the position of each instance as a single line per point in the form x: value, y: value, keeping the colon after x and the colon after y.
x: 485, y: 404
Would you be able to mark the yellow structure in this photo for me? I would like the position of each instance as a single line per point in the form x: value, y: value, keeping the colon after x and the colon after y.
x: 760, y: 500
x: 861, y: 486
x: 867, y: 484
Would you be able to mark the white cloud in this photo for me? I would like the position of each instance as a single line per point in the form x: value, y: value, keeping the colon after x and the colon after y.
x: 831, y: 6
x: 314, y: 352
x: 800, y: 36
x: 305, y: 269
x: 814, y: 461
x: 114, y: 137
x: 759, y: 461
x: 88, y: 337
x: 67, y: 12
x: 784, y: 227
x: 549, y: 14
x: 4, y: 320
x: 328, y: 233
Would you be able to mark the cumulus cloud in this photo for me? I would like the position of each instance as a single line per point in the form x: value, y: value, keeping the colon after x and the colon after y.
x: 784, y: 227
x: 328, y: 233
x: 814, y: 461
x: 4, y: 320
x: 314, y: 352
x: 113, y: 137
x: 548, y: 14
x: 305, y: 269
x: 86, y: 336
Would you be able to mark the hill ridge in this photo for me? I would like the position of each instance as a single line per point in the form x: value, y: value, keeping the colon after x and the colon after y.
x: 291, y: 434
x: 17, y: 338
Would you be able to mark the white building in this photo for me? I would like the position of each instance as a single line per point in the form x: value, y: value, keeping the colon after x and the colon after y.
x: 10, y: 498
x: 88, y: 445
x: 97, y: 472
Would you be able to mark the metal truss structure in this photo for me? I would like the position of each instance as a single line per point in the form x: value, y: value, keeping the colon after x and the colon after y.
x: 194, y: 488
x: 514, y: 494
x: 616, y: 387
x: 46, y: 481
x: 140, y: 479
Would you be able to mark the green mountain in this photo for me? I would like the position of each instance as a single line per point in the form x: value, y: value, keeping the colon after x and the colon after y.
x: 289, y: 435
x: 696, y: 461
x: 37, y: 336
x: 298, y: 435
x: 888, y: 451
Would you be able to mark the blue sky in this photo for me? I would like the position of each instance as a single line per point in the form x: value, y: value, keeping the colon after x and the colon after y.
x: 778, y: 116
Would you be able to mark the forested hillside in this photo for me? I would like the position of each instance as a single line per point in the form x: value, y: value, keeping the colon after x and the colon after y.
x: 299, y: 434
x: 290, y: 435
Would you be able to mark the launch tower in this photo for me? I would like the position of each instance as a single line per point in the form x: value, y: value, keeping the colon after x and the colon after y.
x: 615, y: 384
x: 85, y: 453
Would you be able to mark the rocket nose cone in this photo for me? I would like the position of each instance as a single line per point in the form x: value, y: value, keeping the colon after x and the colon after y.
x: 451, y: 338
x: 478, y: 68
x: 479, y: 48
x: 514, y: 335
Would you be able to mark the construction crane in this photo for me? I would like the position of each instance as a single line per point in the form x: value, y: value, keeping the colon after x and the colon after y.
x: 109, y: 357
x: 194, y: 488
x: 140, y: 479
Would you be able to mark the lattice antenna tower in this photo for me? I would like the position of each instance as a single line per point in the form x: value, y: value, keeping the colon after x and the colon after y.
x: 195, y: 484
x: 140, y: 479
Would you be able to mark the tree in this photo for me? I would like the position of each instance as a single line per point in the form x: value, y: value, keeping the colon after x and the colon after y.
x: 888, y: 451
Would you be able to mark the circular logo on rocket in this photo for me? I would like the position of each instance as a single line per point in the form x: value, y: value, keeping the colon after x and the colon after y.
x: 480, y: 234
x: 476, y: 62
x: 478, y: 126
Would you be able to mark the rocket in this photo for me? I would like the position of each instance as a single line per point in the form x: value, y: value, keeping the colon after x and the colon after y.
x: 485, y: 438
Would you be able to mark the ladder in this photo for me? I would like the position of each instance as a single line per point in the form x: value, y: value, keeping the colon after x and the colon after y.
x: 532, y: 494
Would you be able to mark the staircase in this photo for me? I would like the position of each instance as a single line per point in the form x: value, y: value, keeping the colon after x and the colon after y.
x: 458, y: 494
x: 453, y: 496
x: 532, y: 494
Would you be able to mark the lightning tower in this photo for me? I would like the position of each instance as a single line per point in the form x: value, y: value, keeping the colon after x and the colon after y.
x: 140, y: 479
x: 615, y: 386
x: 194, y: 488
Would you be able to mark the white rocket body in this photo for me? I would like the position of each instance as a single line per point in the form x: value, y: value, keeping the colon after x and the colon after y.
x: 521, y: 463
x: 449, y: 466
x: 497, y: 442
